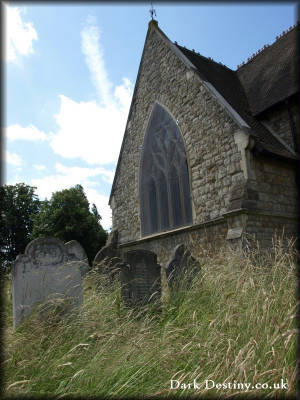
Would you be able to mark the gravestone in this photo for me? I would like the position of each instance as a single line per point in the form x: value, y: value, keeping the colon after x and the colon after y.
x: 109, y: 250
x: 47, y: 269
x: 77, y: 253
x: 107, y: 259
x: 113, y: 267
x: 182, y: 267
x: 109, y: 270
x: 140, y: 277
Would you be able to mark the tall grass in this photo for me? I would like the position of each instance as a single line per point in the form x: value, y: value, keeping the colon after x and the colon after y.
x: 236, y: 323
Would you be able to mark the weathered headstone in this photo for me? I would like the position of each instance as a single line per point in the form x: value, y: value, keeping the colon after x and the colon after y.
x: 182, y: 267
x: 109, y: 250
x: 113, y: 266
x: 140, y: 277
x: 48, y: 269
x: 108, y: 270
x: 77, y: 253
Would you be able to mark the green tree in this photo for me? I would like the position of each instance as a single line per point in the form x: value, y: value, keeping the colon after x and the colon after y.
x: 96, y: 213
x: 67, y: 216
x: 19, y: 204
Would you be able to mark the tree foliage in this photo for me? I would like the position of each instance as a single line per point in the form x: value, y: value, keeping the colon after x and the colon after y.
x: 19, y: 204
x: 67, y: 216
x: 96, y: 213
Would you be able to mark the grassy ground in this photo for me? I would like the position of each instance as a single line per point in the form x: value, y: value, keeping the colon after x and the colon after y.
x: 235, y: 324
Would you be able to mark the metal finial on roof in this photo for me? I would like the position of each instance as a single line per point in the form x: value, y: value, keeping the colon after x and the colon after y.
x: 152, y: 11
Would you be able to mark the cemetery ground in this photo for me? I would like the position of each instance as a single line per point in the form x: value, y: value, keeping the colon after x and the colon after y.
x: 236, y: 323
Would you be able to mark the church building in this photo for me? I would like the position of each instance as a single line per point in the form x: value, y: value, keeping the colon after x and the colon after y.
x: 209, y: 154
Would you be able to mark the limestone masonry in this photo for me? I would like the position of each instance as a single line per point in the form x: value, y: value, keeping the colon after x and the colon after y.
x: 241, y: 150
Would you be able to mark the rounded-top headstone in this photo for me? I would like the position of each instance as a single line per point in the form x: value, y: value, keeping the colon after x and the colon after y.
x: 48, y: 269
x: 47, y: 251
x: 140, y: 277
x: 75, y: 250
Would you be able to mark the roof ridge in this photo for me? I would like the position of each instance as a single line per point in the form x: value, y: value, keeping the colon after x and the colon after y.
x: 266, y: 46
x: 200, y: 55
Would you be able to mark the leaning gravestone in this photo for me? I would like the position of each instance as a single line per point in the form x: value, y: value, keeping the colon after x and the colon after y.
x: 113, y: 266
x: 108, y: 270
x: 109, y: 250
x: 140, y: 277
x: 106, y: 261
x: 182, y: 267
x: 48, y: 269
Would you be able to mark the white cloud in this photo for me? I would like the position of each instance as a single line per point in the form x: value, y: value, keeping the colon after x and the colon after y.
x: 93, y: 52
x: 19, y: 34
x: 13, y: 159
x: 89, y: 130
x: 39, y: 167
x: 124, y: 94
x: 31, y: 133
x: 101, y: 202
x: 82, y: 173
x: 67, y: 177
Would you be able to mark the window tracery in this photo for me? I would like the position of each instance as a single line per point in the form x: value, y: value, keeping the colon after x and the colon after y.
x: 165, y: 199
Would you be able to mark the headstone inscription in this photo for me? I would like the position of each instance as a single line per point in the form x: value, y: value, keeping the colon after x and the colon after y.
x: 140, y: 277
x: 47, y: 269
x: 182, y: 267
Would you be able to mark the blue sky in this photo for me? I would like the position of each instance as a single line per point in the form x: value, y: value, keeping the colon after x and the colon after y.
x: 70, y: 71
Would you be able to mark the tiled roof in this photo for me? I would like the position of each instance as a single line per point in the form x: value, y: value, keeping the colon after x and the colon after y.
x: 235, y: 86
x: 228, y: 84
x: 222, y: 78
x: 273, y: 74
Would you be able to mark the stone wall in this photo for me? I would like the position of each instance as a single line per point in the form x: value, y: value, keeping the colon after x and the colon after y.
x: 208, y: 133
x: 213, y: 233
x: 233, y: 192
x: 275, y: 184
x: 265, y: 228
x: 268, y: 201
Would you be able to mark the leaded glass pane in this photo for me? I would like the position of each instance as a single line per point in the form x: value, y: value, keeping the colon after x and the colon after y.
x: 163, y: 201
x: 175, y: 198
x: 164, y: 182
x: 153, y: 206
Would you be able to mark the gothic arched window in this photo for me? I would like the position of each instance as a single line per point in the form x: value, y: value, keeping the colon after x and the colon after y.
x: 165, y: 199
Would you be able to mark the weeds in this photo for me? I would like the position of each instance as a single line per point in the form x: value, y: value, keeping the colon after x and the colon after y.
x: 235, y: 323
